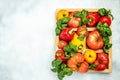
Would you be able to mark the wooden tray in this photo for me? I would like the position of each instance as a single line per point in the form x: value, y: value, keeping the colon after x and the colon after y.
x: 109, y: 69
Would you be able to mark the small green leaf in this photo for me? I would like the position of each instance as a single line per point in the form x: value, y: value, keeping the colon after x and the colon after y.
x: 63, y: 25
x: 65, y: 20
x: 108, y: 45
x: 58, y: 22
x: 103, y: 12
x: 54, y: 70
x: 72, y: 53
x: 67, y: 56
x: 63, y: 66
x: 68, y: 71
x: 81, y: 37
x: 56, y: 63
x: 105, y: 50
x: 109, y: 32
x: 92, y: 66
x: 61, y: 75
x: 106, y: 40
x: 77, y: 14
x: 67, y: 48
x: 57, y: 30
x: 73, y: 47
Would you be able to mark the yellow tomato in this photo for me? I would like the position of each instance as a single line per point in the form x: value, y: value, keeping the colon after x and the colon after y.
x: 61, y: 14
x: 90, y: 56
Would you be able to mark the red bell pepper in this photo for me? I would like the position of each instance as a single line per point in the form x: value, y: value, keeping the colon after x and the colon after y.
x: 67, y: 34
x: 102, y: 61
x: 105, y: 20
x: 93, y: 18
x: 60, y: 55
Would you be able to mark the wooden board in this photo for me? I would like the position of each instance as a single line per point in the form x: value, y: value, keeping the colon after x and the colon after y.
x: 109, y: 70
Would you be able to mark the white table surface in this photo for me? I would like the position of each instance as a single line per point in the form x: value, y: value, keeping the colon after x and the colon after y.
x: 27, y: 38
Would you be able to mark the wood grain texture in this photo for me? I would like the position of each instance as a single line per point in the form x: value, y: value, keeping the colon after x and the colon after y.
x: 109, y: 70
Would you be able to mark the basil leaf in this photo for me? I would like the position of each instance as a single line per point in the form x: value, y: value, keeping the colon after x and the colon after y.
x: 68, y: 71
x: 65, y: 20
x: 58, y: 22
x: 82, y: 15
x: 56, y: 63
x: 57, y: 30
x: 61, y: 75
x: 105, y: 50
x: 92, y: 66
x: 63, y: 66
x: 54, y: 70
x: 81, y: 37
x: 77, y: 14
x: 103, y: 12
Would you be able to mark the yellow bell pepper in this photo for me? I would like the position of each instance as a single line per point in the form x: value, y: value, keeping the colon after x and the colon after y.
x: 81, y: 45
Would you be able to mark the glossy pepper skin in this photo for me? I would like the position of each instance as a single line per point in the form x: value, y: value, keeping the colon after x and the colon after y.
x: 81, y: 45
x: 102, y: 61
x: 93, y: 18
x: 67, y: 34
x: 105, y: 20
x: 60, y: 55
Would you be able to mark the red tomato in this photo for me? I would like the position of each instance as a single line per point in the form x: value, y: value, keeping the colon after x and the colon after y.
x: 102, y: 61
x: 62, y: 44
x: 60, y: 55
x: 105, y: 19
x: 73, y: 22
x: 94, y: 40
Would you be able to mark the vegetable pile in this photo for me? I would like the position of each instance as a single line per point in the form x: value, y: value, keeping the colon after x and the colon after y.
x: 81, y: 35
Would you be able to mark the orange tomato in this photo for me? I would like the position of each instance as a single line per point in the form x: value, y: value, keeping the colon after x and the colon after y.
x: 83, y: 67
x: 74, y: 61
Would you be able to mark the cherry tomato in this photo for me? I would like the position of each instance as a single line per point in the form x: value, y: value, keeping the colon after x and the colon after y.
x: 62, y: 44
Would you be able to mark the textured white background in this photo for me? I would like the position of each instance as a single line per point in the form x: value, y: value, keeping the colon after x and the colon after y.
x: 27, y: 38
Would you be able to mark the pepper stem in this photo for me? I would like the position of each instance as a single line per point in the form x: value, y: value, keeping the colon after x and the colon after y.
x: 105, y: 24
x: 90, y: 20
x: 70, y: 31
x: 59, y: 54
x: 80, y: 46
